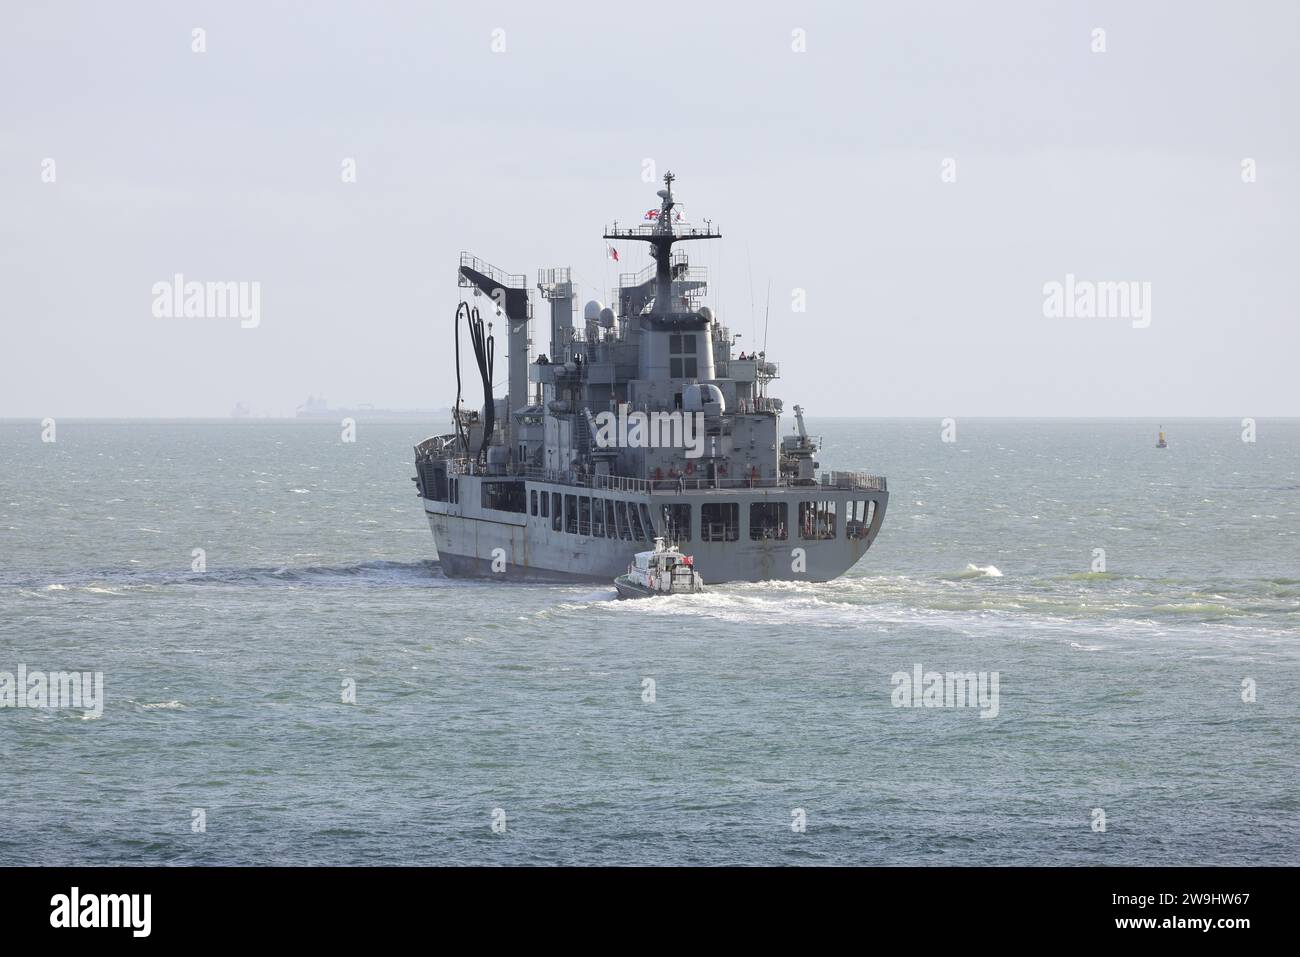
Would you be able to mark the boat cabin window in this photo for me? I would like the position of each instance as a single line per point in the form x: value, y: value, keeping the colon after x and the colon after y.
x: 556, y: 512
x: 609, y: 518
x: 598, y: 517
x: 768, y: 521
x: 720, y: 521
x: 571, y: 514
x: 677, y: 522
x: 503, y: 496
x: 584, y: 515
x: 624, y: 532
x: 857, y: 518
x: 532, y: 502
x: 817, y: 520
x: 543, y: 501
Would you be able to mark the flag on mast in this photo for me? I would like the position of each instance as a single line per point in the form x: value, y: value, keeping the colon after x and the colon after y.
x: 612, y: 253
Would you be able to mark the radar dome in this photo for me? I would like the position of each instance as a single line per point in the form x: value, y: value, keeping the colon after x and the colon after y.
x: 703, y: 397
x: 591, y: 311
x: 706, y: 314
x: 607, y: 317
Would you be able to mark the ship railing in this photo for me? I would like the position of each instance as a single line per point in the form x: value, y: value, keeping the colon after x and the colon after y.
x: 839, y: 480
x: 616, y: 483
x: 509, y: 280
x: 684, y: 484
x: 759, y: 368
x: 683, y: 273
x: 854, y: 480
x: 555, y: 282
x: 436, y: 446
x: 679, y: 232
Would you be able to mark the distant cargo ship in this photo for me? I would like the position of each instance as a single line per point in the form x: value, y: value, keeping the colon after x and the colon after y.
x: 319, y: 408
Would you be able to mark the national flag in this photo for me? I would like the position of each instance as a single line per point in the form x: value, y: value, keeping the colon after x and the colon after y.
x: 612, y: 253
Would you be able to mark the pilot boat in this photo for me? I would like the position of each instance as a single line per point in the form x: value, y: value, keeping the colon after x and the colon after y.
x: 662, y: 571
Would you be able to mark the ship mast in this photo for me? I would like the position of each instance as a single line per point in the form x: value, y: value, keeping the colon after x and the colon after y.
x: 661, y: 236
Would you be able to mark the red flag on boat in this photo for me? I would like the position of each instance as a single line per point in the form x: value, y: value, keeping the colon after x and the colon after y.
x: 612, y: 253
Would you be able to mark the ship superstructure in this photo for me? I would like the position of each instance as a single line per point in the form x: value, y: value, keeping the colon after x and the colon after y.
x: 643, y: 421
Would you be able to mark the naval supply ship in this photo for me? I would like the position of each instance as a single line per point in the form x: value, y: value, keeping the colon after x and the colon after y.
x: 642, y: 422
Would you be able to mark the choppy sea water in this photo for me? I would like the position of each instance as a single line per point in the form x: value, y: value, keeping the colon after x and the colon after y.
x: 1120, y: 691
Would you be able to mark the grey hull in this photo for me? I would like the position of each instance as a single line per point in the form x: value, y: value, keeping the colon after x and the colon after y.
x: 627, y: 589
x: 478, y: 542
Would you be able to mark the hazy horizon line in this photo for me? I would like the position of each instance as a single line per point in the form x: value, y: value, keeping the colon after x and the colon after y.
x: 328, y: 419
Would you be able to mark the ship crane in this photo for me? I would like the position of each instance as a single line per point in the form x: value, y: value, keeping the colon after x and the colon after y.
x: 797, y: 451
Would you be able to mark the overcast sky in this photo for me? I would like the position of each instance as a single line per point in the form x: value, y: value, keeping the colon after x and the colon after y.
x: 823, y: 169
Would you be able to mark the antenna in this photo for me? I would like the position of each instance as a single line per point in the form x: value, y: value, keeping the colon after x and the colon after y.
x: 766, y: 316
x: 753, y: 321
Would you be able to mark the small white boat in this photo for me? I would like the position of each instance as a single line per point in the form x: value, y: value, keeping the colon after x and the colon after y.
x: 662, y: 571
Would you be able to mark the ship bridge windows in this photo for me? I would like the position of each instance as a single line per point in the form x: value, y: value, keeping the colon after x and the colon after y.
x: 768, y: 521
x: 817, y: 520
x: 677, y: 523
x: 683, y: 355
x: 720, y: 521
x: 857, y: 518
